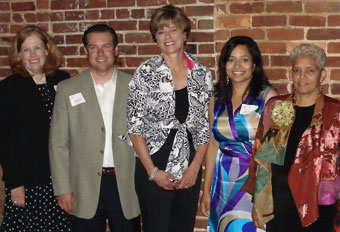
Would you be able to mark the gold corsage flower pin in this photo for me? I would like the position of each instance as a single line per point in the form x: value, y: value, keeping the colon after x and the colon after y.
x: 283, y: 113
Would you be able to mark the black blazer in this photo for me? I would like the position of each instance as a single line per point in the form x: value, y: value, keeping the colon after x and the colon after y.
x: 24, y: 130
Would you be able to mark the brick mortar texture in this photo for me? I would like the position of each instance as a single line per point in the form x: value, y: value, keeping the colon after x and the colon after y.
x: 278, y: 26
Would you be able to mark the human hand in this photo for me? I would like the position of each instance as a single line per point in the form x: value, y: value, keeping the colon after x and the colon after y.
x: 256, y: 220
x: 65, y: 202
x: 162, y: 179
x: 18, y: 196
x: 188, y: 178
x: 205, y: 204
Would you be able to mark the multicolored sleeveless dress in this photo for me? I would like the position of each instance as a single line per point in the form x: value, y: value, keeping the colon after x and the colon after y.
x: 230, y: 209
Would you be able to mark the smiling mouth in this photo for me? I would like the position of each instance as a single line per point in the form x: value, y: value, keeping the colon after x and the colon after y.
x: 238, y: 73
x: 169, y: 43
x: 34, y: 61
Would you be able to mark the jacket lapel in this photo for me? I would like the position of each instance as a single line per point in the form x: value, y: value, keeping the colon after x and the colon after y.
x: 90, y: 96
x: 119, y: 104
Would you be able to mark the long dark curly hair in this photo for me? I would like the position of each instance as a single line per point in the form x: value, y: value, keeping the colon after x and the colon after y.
x: 223, y: 90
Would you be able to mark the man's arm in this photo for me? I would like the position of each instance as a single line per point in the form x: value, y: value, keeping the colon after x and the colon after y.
x: 59, y: 152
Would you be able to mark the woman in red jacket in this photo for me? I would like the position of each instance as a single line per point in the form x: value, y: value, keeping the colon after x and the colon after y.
x: 296, y: 152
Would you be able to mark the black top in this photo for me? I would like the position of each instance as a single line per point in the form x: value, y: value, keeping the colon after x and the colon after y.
x: 160, y: 158
x: 284, y: 206
x: 181, y: 112
x: 24, y: 129
x: 182, y: 104
x: 47, y: 98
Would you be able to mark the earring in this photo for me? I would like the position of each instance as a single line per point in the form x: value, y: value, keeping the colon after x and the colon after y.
x: 292, y: 88
x: 227, y: 80
x: 292, y: 92
x: 321, y: 88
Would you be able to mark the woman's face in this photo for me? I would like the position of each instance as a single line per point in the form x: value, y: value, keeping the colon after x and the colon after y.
x: 240, y: 65
x: 170, y: 39
x: 306, y: 75
x: 33, y: 54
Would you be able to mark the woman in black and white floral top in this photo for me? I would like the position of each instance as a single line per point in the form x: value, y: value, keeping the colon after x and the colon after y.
x: 168, y: 126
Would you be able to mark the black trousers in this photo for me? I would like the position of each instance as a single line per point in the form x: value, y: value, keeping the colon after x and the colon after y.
x: 324, y: 223
x: 109, y: 208
x: 163, y: 210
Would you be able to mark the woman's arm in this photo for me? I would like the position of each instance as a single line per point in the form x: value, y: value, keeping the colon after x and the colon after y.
x: 202, y: 139
x: 161, y: 178
x: 11, y: 133
x: 18, y: 196
x: 190, y: 174
x: 264, y: 124
x: 209, y: 165
x: 249, y: 185
x: 136, y: 111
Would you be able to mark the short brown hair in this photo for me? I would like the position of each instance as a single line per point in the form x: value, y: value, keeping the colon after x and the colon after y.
x: 100, y: 28
x: 162, y: 15
x: 53, y: 60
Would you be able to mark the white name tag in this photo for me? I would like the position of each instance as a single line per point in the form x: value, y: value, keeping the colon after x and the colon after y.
x: 165, y: 87
x: 76, y: 99
x: 247, y: 109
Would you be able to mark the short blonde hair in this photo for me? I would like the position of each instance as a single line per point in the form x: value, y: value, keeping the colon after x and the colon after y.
x: 53, y: 60
x: 317, y: 53
x: 163, y: 15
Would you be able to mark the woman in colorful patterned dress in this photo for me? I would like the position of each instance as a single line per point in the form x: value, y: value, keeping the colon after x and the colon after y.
x: 294, y: 170
x: 235, y: 111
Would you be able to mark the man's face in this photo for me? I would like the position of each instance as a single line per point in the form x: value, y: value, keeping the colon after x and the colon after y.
x: 100, y: 51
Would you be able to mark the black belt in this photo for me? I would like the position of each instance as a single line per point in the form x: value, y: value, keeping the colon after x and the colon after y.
x: 108, y: 171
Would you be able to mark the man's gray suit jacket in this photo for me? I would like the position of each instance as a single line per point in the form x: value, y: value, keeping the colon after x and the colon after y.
x: 77, y: 140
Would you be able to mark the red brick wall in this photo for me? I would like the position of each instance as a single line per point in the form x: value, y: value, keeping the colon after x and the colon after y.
x: 277, y: 26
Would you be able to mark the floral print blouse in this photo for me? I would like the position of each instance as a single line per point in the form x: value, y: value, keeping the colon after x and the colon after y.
x: 151, y: 109
x: 315, y: 163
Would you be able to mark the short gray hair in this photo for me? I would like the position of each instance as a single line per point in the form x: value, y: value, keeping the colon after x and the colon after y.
x: 312, y: 50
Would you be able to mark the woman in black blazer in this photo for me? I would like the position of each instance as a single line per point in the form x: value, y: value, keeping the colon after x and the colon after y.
x: 26, y: 105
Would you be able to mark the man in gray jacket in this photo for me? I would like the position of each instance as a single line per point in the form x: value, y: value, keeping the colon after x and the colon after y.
x: 92, y: 168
